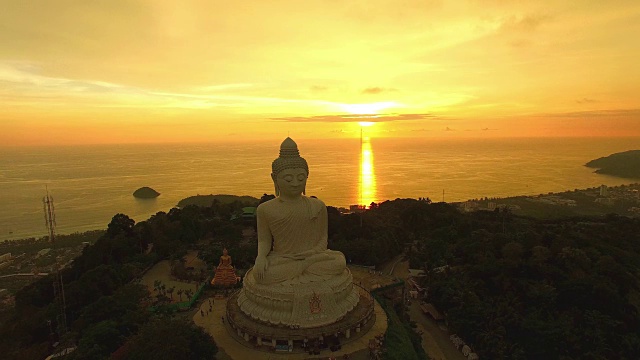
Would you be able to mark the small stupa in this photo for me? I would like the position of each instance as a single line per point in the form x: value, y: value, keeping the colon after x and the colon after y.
x: 225, y: 274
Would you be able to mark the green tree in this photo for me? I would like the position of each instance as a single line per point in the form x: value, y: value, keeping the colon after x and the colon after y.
x: 171, y: 340
x: 120, y: 224
x: 99, y: 341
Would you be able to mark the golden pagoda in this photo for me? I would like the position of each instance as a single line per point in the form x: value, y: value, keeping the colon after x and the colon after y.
x: 225, y: 274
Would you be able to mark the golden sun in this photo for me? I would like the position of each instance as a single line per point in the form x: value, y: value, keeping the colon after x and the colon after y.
x: 367, y: 109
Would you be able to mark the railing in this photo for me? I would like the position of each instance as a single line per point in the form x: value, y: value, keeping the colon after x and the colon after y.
x: 399, y: 283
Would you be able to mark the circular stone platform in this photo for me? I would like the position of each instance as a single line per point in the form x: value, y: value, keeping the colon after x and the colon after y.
x: 299, y: 304
x: 268, y: 337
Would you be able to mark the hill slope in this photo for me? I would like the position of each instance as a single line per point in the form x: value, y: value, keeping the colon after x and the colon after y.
x: 623, y: 164
x: 207, y: 200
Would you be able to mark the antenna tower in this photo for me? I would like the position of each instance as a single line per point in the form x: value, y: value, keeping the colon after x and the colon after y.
x: 58, y: 286
x: 361, y: 174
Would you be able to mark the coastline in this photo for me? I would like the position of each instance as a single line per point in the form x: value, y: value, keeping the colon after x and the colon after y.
x: 87, y: 197
x: 577, y: 202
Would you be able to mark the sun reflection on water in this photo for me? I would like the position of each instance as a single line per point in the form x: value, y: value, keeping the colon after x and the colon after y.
x: 368, y: 191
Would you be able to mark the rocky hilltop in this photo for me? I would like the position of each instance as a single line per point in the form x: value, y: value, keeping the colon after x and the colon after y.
x: 623, y: 164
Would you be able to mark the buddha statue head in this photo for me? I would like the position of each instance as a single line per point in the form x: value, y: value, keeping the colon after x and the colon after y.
x: 289, y: 171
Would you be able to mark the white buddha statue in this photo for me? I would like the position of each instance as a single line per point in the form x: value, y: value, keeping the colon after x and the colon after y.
x: 296, y: 280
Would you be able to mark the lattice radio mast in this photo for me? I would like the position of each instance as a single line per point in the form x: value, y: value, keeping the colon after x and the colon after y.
x: 361, y: 175
x: 58, y: 286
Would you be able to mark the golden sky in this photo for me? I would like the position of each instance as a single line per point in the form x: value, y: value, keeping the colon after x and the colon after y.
x: 173, y: 71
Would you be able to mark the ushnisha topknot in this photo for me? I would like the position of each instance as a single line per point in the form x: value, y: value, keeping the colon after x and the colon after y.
x: 289, y: 158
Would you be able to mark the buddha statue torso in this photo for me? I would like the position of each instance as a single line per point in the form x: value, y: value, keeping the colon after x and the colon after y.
x: 297, y: 227
x: 225, y: 262
x: 296, y: 280
x: 299, y: 254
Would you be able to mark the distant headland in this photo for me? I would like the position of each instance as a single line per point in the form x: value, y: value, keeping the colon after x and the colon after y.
x: 623, y: 164
x: 207, y: 200
x: 146, y: 193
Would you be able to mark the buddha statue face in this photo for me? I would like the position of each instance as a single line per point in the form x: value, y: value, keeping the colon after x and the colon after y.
x: 291, y: 182
x: 289, y: 171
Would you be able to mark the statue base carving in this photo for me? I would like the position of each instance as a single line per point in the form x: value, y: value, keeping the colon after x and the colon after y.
x: 367, y: 314
x: 303, y: 305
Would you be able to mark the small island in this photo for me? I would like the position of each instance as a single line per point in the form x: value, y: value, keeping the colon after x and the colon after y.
x: 146, y: 193
x: 623, y: 164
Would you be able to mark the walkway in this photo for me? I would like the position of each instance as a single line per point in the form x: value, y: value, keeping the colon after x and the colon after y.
x: 393, y: 268
x: 162, y: 271
x: 389, y: 267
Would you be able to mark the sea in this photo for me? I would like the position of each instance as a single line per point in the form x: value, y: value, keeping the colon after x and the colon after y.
x: 90, y: 184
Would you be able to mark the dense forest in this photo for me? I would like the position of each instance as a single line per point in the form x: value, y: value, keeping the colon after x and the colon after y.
x: 511, y: 287
x: 106, y: 308
x: 521, y: 288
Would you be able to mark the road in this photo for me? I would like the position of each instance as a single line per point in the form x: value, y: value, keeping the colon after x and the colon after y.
x: 24, y: 274
x: 435, y: 341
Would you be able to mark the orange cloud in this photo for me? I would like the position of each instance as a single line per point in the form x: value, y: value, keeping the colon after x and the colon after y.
x: 358, y: 118
x: 376, y: 90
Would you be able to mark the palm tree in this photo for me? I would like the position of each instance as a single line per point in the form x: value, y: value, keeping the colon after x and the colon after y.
x: 170, y: 291
x: 189, y: 294
x: 156, y: 285
x: 180, y: 292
